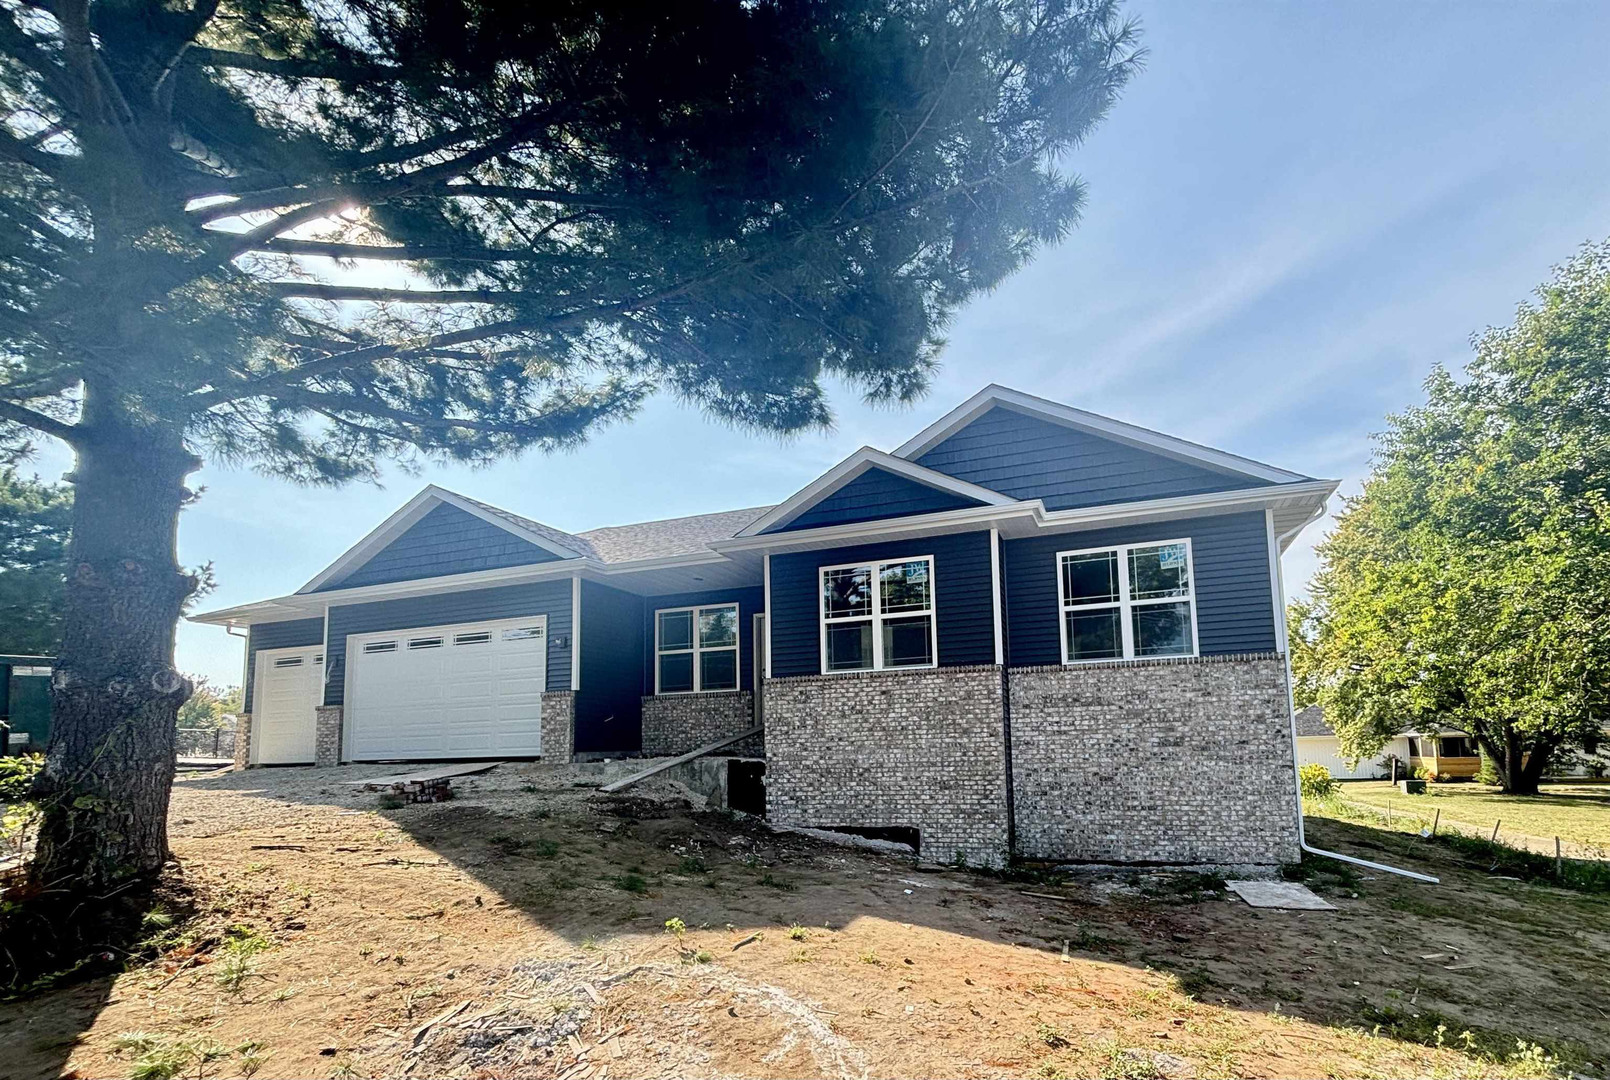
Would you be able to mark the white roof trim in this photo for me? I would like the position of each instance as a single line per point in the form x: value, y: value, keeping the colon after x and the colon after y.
x: 410, y: 512
x: 852, y: 467
x: 1095, y: 424
x: 1019, y: 519
x: 1015, y: 519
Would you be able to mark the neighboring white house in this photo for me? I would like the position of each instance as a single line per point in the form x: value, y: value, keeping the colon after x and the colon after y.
x: 1317, y: 745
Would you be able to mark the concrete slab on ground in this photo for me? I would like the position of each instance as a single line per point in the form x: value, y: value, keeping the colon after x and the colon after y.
x: 443, y: 772
x: 1279, y: 894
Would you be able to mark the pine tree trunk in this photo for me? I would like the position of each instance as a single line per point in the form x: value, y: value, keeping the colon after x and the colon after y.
x: 110, y: 762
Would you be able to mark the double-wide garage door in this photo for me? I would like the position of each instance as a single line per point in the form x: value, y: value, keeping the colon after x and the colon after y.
x: 461, y: 691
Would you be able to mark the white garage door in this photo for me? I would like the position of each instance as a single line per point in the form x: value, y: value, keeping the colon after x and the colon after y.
x: 287, y: 687
x: 468, y: 690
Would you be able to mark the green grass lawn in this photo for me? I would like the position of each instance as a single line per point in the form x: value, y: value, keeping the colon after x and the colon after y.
x: 1577, y: 812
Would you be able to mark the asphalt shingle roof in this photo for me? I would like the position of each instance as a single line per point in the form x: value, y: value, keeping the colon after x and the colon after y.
x: 669, y: 536
x: 1311, y: 723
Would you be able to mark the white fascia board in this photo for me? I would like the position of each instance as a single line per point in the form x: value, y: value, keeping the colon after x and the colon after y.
x: 854, y: 466
x: 1019, y: 519
x: 307, y: 605
x: 410, y: 512
x: 1095, y: 424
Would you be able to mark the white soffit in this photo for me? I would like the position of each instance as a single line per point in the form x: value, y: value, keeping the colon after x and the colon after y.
x: 1093, y: 423
x: 854, y: 466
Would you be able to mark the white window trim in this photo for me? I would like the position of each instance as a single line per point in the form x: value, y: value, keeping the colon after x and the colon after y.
x: 694, y: 650
x: 877, y: 616
x: 1125, y: 605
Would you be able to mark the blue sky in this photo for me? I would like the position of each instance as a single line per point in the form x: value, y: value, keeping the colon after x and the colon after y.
x: 1294, y: 212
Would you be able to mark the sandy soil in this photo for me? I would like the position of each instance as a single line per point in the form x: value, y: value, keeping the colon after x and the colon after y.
x: 521, y: 931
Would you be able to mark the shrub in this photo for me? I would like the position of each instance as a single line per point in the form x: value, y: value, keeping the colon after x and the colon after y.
x: 1315, y: 781
x: 17, y: 776
x: 1488, y: 773
x: 1423, y: 773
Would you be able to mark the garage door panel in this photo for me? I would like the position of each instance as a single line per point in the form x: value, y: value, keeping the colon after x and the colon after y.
x: 287, y: 687
x: 478, y: 692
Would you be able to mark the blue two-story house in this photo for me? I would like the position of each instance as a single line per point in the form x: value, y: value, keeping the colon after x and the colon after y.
x: 1030, y: 630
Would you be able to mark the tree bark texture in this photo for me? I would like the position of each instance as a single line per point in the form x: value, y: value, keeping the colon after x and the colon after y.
x: 110, y: 761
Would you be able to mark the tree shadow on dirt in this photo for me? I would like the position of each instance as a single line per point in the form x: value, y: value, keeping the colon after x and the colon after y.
x: 590, y: 868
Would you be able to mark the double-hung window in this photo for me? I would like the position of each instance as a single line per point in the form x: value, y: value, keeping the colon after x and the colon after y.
x: 696, y: 649
x: 878, y: 615
x: 1127, y: 603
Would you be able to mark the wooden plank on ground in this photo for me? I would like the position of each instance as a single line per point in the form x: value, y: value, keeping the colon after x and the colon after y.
x: 441, y: 773
x: 681, y: 760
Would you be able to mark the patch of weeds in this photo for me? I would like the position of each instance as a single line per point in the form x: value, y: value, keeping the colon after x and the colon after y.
x: 703, y: 956
x: 1282, y: 993
x: 163, y: 1059
x: 252, y: 1057
x: 284, y: 993
x: 345, y: 1070
x: 157, y: 919
x: 798, y: 933
x: 590, y: 943
x: 529, y: 788
x: 676, y: 927
x: 1431, y: 1028
x: 870, y: 957
x: 543, y: 849
x: 255, y: 868
x: 777, y: 883
x: 632, y: 883
x: 1322, y: 871
x: 390, y: 800
x: 801, y: 956
x: 1125, y: 1064
x: 1050, y: 1036
x: 506, y: 844
x: 137, y: 1042
x: 236, y: 965
x: 691, y: 864
x: 1194, y: 983
x: 1050, y: 1071
x: 1186, y: 885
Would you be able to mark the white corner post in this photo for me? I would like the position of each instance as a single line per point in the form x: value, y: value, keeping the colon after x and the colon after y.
x: 575, y: 633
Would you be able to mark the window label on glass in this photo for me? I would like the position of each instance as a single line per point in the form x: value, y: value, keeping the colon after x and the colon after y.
x: 1171, y: 556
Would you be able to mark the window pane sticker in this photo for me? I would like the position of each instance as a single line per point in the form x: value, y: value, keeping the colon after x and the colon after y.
x: 1171, y: 556
x: 520, y: 633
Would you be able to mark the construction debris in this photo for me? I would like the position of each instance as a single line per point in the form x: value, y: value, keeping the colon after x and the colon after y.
x: 1287, y: 895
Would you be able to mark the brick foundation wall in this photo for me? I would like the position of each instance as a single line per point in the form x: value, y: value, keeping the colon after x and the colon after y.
x: 912, y: 749
x: 327, y: 735
x: 1171, y: 761
x: 677, y: 723
x: 558, y: 725
x: 243, y: 740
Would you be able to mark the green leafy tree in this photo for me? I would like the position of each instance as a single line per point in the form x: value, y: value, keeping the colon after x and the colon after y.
x: 207, y: 705
x: 34, y: 521
x: 312, y: 236
x: 1469, y: 583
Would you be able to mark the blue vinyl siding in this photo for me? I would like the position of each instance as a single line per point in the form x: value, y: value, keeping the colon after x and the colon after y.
x: 962, y: 602
x: 877, y: 493
x: 1028, y: 458
x: 609, y: 705
x: 446, y: 540
x: 751, y: 602
x: 550, y: 598
x: 1230, y: 553
x: 292, y: 633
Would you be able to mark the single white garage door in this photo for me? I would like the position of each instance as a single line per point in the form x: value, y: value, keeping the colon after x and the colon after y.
x: 468, y: 690
x: 287, y: 687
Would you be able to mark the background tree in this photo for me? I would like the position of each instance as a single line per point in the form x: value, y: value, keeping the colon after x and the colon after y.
x: 207, y: 705
x: 34, y: 522
x: 313, y: 236
x: 1469, y: 584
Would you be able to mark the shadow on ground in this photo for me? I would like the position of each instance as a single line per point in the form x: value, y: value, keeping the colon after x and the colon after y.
x: 378, y: 915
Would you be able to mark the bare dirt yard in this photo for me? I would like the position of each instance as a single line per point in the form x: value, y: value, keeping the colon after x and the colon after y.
x: 535, y: 927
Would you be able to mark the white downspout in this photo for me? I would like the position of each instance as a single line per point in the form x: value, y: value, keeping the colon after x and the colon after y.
x: 1291, y: 711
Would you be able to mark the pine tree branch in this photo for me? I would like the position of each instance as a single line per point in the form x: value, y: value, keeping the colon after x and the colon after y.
x: 289, y: 67
x: 313, y: 290
x: 405, y: 252
x: 17, y: 414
